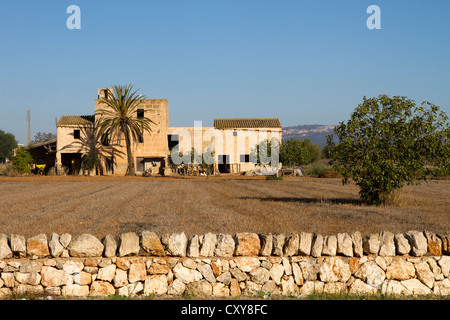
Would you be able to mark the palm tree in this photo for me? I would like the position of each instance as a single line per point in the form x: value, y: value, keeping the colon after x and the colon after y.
x: 119, y: 118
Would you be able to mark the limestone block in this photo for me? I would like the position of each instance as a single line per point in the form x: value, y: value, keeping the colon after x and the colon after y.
x: 107, y: 273
x: 266, y: 244
x: 56, y: 248
x: 110, y: 245
x: 177, y: 244
x: 444, y: 263
x: 371, y: 244
x: 157, y: 284
x: 344, y: 245
x: 225, y: 246
x: 441, y: 288
x: 424, y: 273
x: 247, y: 244
x: 317, y: 245
x: 278, y: 240
x: 129, y: 244
x: 65, y: 239
x: 207, y: 244
x: 387, y: 245
x: 402, y: 244
x: 357, y: 244
x: 276, y: 272
x: 334, y: 269
x: 434, y: 243
x: 291, y: 244
x: 304, y: 247
x: 5, y: 250
x: 18, y: 246
x: 259, y: 275
x: 247, y: 264
x: 177, y: 287
x: 400, y: 269
x: 75, y: 290
x: 101, y: 288
x: 193, y: 247
x: 207, y: 272
x: 329, y: 246
x: 120, y: 278
x: 85, y: 245
x: 37, y: 246
x: 131, y: 289
x: 415, y: 287
x: 418, y: 243
x: 52, y: 277
x: 186, y: 275
x: 151, y: 243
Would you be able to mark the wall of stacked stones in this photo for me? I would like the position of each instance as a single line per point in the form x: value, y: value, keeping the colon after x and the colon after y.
x: 294, y: 264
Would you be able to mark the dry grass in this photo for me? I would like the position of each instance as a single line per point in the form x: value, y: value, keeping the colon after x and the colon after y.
x: 102, y: 205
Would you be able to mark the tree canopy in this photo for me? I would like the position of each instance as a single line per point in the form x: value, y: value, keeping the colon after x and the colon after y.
x: 42, y: 137
x: 295, y: 152
x: 7, y: 144
x: 388, y: 142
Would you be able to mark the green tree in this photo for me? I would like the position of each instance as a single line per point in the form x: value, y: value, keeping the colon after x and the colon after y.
x: 390, y: 141
x: 7, y: 144
x: 119, y: 118
x: 313, y: 149
x: 295, y: 152
x: 22, y: 160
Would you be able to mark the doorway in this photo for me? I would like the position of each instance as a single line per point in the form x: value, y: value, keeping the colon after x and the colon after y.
x: 71, y: 163
x: 224, y: 163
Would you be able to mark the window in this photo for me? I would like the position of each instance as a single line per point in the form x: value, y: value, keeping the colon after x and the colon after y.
x: 140, y: 113
x: 105, y: 139
x: 141, y: 137
x: 245, y: 158
x: 234, y: 133
x: 173, y: 140
x: 76, y: 134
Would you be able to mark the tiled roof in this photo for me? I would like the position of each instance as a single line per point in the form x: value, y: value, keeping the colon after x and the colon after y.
x: 247, y: 123
x: 76, y: 120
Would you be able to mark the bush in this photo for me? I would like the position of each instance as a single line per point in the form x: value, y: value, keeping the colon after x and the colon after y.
x: 22, y: 161
x: 6, y: 169
x: 317, y: 169
x: 295, y: 152
x: 90, y: 163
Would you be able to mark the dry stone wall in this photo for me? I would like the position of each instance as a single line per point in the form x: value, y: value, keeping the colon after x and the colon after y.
x: 293, y: 264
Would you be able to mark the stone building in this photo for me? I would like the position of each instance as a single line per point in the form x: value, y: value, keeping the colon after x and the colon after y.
x: 227, y: 145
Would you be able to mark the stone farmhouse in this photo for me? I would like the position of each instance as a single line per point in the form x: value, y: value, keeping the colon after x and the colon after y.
x: 228, y: 143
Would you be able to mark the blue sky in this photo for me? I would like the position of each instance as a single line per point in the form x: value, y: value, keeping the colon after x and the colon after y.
x: 304, y: 62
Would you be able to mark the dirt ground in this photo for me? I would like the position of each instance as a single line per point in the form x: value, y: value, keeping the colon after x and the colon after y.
x: 102, y: 205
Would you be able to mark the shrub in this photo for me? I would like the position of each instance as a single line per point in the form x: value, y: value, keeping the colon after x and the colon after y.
x: 90, y: 163
x: 22, y: 160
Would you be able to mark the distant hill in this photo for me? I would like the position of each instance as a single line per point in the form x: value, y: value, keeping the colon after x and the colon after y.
x: 317, y: 133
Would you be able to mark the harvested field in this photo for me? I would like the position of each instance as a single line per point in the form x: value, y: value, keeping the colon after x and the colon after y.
x: 102, y: 205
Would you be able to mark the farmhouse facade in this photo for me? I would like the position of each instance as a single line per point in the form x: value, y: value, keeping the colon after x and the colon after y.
x: 228, y: 144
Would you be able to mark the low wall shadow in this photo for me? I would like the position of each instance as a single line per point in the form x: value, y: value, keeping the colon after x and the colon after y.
x: 307, y: 200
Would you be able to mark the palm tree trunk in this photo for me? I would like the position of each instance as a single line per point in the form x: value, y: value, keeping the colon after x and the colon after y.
x: 130, y: 169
